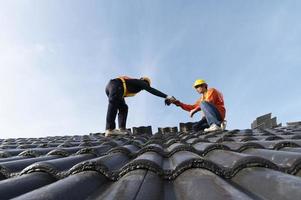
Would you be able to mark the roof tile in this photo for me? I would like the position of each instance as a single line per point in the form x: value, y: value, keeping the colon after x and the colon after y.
x: 232, y: 164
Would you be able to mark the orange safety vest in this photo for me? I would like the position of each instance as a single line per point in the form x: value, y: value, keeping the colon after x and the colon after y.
x: 216, y: 98
x: 126, y: 93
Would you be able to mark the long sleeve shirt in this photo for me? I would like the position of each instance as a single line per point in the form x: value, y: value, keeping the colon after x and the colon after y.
x: 136, y: 85
x: 212, y: 96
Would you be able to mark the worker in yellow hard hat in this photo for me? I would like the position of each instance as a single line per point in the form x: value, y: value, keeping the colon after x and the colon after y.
x: 211, y: 103
x: 120, y: 88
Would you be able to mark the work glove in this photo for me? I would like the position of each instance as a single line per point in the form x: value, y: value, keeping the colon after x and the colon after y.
x: 169, y: 99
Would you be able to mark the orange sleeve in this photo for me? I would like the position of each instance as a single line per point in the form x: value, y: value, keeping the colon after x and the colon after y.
x: 189, y: 107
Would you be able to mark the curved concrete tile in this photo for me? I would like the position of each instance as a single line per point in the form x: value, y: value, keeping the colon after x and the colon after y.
x: 269, y: 184
x: 19, y: 185
x: 75, y: 187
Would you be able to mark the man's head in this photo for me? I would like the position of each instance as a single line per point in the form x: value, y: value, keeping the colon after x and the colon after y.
x: 200, y: 85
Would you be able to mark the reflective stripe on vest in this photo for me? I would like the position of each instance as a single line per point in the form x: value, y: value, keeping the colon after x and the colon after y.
x: 125, y: 91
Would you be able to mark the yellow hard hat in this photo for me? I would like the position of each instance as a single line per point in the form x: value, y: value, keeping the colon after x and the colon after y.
x: 199, y: 82
x: 146, y: 79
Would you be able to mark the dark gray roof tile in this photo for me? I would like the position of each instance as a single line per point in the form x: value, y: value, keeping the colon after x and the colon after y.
x: 240, y: 146
x: 130, y: 150
x: 200, y: 139
x: 195, y: 140
x: 11, y: 159
x: 247, y: 138
x: 19, y: 185
x: 148, y: 160
x: 57, y: 167
x: 269, y: 184
x: 232, y: 162
x: 59, y: 152
x: 126, y: 188
x: 203, y: 148
x: 177, y: 147
x: 166, y: 165
x: 297, y: 149
x: 27, y: 146
x: 290, y: 161
x: 75, y: 187
x: 203, y: 184
x: 5, y: 146
x: 10, y: 168
x: 224, y: 139
x: 109, y: 165
x: 5, y: 154
x: 277, y: 144
x: 30, y: 153
x: 152, y: 147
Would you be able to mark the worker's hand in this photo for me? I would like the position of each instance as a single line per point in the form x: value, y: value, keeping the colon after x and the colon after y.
x: 193, y: 111
x: 169, y: 100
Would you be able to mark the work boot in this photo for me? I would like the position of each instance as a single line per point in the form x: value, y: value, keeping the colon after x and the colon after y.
x: 124, y: 131
x: 213, y: 128
x: 111, y: 132
x: 223, y: 125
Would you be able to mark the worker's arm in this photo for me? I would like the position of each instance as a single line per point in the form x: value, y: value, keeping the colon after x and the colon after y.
x: 188, y: 107
x: 144, y: 86
x: 155, y: 92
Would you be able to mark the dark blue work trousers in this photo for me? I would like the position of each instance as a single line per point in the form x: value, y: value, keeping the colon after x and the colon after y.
x: 114, y: 91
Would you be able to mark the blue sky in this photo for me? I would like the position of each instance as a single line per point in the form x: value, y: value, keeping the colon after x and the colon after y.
x: 57, y: 56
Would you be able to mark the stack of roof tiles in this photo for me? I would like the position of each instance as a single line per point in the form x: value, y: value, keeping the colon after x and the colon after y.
x: 265, y: 121
x: 171, y: 164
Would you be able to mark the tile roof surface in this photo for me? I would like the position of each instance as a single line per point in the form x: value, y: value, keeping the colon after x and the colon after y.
x: 171, y: 164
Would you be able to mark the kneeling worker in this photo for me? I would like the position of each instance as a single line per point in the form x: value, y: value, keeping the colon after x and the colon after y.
x: 119, y: 88
x: 211, y: 103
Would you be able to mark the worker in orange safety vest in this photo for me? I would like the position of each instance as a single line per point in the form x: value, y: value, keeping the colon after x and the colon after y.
x: 211, y: 103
